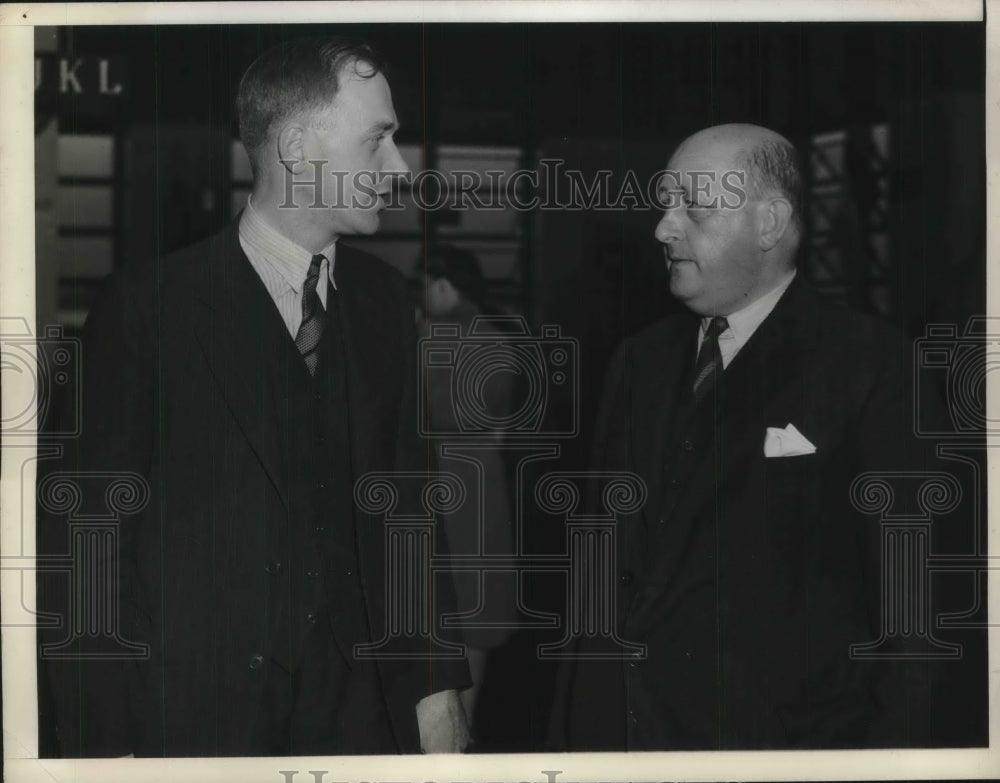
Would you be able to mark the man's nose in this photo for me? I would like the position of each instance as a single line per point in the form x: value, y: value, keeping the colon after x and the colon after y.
x: 668, y: 229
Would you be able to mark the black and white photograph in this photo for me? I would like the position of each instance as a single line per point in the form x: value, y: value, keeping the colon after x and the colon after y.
x: 498, y: 391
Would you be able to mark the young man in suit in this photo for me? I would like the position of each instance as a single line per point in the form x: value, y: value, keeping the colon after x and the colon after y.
x: 250, y: 380
x: 748, y: 574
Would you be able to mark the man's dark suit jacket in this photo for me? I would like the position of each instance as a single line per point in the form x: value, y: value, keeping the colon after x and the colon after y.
x: 748, y: 578
x: 182, y: 385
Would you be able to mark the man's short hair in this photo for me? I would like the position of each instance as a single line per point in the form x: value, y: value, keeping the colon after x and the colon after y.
x: 292, y: 78
x: 773, y: 168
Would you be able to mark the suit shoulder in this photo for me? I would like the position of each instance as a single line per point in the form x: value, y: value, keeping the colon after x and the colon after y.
x: 191, y: 265
x: 186, y: 265
x: 652, y: 338
x: 858, y: 333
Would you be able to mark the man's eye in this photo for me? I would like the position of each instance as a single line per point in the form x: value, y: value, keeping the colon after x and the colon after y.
x: 696, y: 212
x: 671, y: 199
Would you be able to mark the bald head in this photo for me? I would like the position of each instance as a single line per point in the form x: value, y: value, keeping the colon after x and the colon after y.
x: 769, y: 160
x: 737, y: 135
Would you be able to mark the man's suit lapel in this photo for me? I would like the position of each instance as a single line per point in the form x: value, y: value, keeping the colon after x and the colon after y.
x: 653, y: 406
x: 758, y: 385
x: 772, y: 377
x: 242, y: 334
x: 372, y: 382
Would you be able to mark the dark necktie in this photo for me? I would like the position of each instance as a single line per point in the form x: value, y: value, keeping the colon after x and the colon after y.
x: 313, y: 317
x: 709, y: 364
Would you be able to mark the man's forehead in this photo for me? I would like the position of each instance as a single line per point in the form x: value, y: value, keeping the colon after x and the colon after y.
x: 700, y: 167
x: 698, y: 178
x: 704, y: 156
x: 366, y: 101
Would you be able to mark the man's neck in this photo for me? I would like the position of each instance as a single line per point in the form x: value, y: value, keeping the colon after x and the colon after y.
x: 291, y: 222
x: 767, y: 291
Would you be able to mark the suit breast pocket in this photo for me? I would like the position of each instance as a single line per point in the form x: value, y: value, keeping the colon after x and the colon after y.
x: 792, y: 496
x: 792, y: 475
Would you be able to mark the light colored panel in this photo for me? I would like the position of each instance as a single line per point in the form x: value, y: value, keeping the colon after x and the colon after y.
x: 74, y: 319
x: 473, y: 220
x: 89, y: 206
x: 479, y: 160
x: 86, y: 156
x: 85, y: 256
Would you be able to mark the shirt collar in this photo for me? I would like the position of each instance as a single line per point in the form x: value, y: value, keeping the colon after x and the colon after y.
x: 743, y: 323
x: 289, y: 259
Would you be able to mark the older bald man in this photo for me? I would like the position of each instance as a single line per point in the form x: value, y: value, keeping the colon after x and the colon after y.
x: 747, y: 574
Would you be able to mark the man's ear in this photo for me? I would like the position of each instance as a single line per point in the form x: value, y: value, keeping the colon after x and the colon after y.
x: 291, y: 150
x: 775, y: 217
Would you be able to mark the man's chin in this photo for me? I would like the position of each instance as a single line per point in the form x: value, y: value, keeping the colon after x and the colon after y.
x: 364, y: 225
x: 681, y: 286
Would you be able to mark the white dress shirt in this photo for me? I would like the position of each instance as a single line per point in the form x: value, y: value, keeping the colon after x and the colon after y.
x: 743, y: 323
x: 282, y: 265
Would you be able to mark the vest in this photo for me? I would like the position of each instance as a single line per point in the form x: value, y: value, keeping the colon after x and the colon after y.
x: 696, y: 622
x: 314, y: 556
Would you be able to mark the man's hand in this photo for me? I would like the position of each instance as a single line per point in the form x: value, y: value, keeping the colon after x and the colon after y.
x: 442, y: 722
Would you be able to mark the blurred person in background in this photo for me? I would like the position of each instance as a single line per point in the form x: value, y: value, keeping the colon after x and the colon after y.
x: 455, y: 295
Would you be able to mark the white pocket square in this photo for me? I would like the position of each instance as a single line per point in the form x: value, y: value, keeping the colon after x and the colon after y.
x: 787, y: 442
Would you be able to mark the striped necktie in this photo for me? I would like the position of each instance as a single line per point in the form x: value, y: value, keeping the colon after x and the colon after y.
x: 313, y: 317
x: 709, y: 364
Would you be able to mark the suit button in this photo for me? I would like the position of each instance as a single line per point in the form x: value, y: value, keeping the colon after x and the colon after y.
x: 273, y: 567
x: 311, y: 618
x: 256, y: 661
x: 319, y: 529
x: 687, y: 445
x: 312, y: 574
x: 626, y: 578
